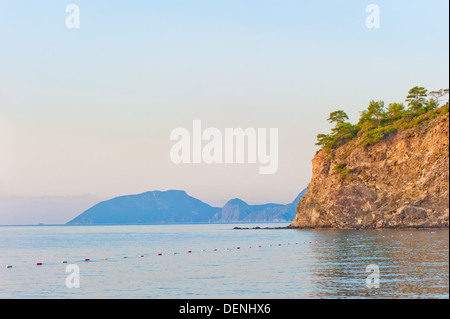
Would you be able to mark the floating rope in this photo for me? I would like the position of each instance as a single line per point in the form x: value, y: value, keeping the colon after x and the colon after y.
x: 228, y: 249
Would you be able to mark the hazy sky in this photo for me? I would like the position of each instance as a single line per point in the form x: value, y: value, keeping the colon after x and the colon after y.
x: 89, y: 111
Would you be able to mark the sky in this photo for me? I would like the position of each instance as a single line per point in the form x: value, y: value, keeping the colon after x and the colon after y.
x: 86, y: 113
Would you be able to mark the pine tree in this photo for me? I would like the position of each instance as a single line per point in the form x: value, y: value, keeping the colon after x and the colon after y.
x: 416, y: 98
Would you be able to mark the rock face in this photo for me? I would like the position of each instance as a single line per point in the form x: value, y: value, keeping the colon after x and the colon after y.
x: 399, y: 182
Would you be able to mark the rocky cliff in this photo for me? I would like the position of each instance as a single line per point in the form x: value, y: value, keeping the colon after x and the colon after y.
x: 401, y: 181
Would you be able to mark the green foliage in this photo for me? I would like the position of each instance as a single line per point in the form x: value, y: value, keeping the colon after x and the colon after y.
x: 373, y: 115
x: 341, y: 169
x: 375, y: 135
x: 377, y: 122
x: 395, y: 111
x: 338, y: 117
x: 416, y: 98
x: 430, y: 105
x: 436, y: 95
x: 340, y: 166
x: 340, y: 134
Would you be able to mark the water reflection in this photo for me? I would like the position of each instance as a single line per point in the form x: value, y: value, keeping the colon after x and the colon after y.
x: 307, y: 264
x: 411, y: 263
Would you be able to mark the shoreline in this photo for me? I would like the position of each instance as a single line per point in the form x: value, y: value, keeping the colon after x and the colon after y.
x: 331, y: 228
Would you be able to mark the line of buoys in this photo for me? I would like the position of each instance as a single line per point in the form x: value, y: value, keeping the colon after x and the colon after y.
x: 239, y: 247
x: 141, y: 256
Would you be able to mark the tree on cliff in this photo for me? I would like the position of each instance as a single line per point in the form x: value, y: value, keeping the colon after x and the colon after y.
x: 340, y: 134
x: 376, y: 122
x: 372, y: 117
x: 436, y: 95
x: 395, y: 111
x: 416, y: 98
x: 338, y: 117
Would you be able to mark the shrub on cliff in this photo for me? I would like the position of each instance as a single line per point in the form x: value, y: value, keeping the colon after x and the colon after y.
x: 377, y: 122
x: 340, y: 134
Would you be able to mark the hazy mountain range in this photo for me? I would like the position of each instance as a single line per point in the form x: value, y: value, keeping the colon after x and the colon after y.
x: 174, y: 206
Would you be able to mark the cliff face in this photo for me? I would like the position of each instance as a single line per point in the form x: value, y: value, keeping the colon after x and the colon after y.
x: 400, y: 182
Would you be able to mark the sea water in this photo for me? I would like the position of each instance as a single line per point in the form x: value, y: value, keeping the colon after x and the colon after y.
x: 216, y: 261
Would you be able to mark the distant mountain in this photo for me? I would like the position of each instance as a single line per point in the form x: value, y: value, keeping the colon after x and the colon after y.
x: 148, y: 208
x: 173, y: 206
x: 237, y: 210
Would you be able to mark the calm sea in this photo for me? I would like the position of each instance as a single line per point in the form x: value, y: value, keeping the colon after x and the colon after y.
x: 215, y: 261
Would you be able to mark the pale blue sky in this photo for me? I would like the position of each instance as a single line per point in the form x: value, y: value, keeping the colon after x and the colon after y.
x: 90, y: 110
